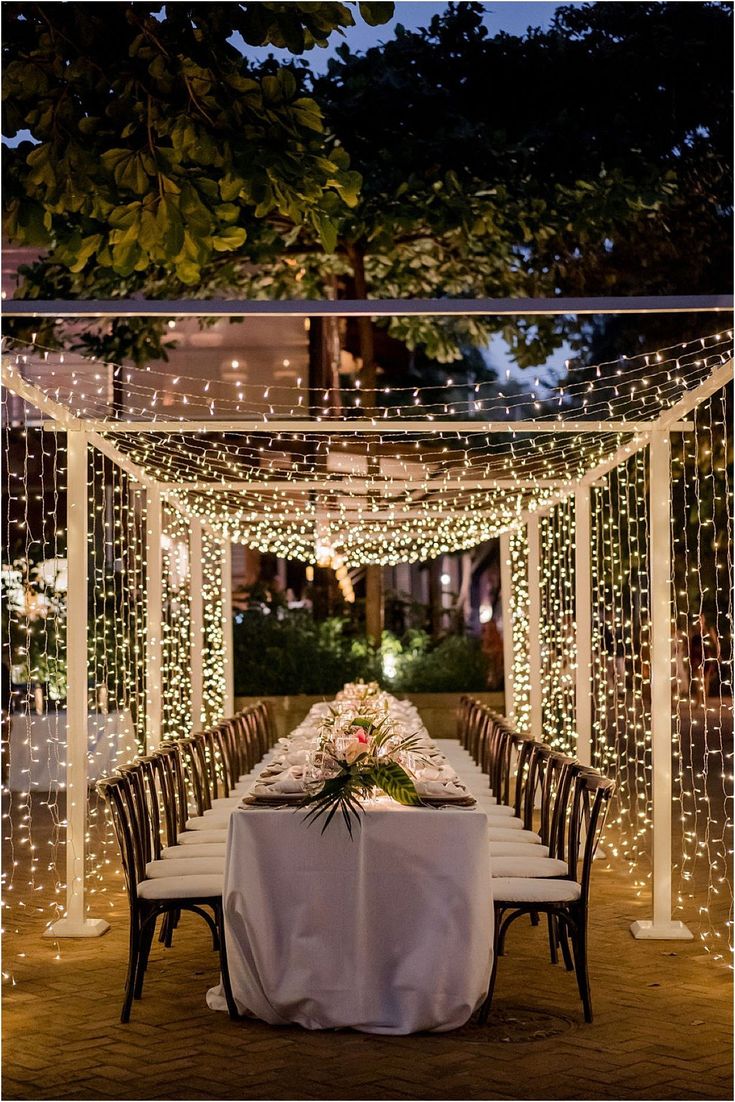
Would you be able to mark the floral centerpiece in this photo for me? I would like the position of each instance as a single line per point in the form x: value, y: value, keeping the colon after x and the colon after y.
x: 359, y: 750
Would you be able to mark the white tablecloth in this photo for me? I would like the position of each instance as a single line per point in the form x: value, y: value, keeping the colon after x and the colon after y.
x: 38, y: 748
x: 390, y: 932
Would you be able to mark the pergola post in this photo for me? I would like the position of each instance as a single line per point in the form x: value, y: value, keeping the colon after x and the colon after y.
x: 154, y: 617
x: 227, y: 640
x: 583, y: 623
x: 534, y: 627
x: 662, y: 926
x: 506, y: 594
x: 196, y: 643
x: 74, y: 923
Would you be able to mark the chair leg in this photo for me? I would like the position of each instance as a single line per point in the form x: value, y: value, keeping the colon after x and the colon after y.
x: 579, y: 944
x: 133, y: 952
x: 485, y: 1008
x: 146, y: 940
x: 224, y: 966
x: 564, y: 942
x: 553, y: 938
x: 165, y: 935
x: 535, y: 918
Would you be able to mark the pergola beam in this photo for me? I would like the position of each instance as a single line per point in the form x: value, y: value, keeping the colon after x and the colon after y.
x: 360, y: 308
x: 377, y: 426
x: 29, y: 392
x: 363, y: 486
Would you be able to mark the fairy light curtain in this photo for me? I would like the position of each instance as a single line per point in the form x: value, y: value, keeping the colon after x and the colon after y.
x: 34, y: 582
x: 116, y: 634
x: 116, y: 536
x: 621, y: 652
x: 176, y: 626
x: 557, y: 626
x: 518, y: 547
x: 213, y: 639
x: 702, y: 527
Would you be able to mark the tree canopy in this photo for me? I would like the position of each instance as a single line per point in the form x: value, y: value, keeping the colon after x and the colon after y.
x: 590, y: 158
x: 156, y: 146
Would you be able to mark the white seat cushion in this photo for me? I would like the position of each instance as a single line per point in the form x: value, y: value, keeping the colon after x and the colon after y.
x: 208, y: 822
x: 450, y: 746
x: 224, y: 803
x: 181, y: 887
x: 502, y: 810
x: 186, y: 866
x: 201, y: 837
x: 516, y: 889
x: 502, y: 822
x: 482, y: 796
x: 529, y: 866
x: 506, y: 834
x: 517, y: 849
x: 206, y: 849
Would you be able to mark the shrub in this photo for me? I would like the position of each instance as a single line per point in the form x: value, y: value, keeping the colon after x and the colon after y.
x: 291, y: 653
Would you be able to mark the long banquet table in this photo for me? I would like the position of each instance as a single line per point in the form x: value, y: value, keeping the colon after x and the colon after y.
x: 389, y: 931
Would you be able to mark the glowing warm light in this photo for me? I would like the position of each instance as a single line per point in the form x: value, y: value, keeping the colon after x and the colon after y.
x: 307, y: 492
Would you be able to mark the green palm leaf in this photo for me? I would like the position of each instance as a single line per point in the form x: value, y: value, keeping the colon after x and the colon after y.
x: 395, y: 782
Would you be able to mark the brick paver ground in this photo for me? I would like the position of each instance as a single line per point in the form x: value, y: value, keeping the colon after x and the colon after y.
x: 662, y: 1026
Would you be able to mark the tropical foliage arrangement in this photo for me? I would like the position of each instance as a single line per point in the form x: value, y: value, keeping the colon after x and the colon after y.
x: 360, y: 749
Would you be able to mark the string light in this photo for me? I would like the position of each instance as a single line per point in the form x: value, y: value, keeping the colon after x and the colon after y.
x: 519, y: 604
x: 213, y: 643
x: 558, y: 635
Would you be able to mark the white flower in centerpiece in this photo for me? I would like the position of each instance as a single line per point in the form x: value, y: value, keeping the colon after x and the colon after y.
x: 354, y: 748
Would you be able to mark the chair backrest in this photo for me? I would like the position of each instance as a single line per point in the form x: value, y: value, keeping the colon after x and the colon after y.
x: 590, y: 805
x: 246, y: 740
x: 464, y: 711
x: 196, y: 774
x: 500, y: 742
x: 117, y: 794
x: 141, y: 809
x: 556, y: 793
x: 531, y: 758
x: 476, y: 725
x: 262, y: 716
x: 166, y: 766
x: 270, y: 723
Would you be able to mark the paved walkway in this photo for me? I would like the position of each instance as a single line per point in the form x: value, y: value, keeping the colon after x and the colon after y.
x: 662, y: 1026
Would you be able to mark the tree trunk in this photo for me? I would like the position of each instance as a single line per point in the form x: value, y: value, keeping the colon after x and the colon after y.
x: 365, y: 332
x: 435, y: 598
x: 374, y: 603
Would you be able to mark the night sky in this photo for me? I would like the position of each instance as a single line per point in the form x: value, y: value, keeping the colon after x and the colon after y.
x: 501, y: 15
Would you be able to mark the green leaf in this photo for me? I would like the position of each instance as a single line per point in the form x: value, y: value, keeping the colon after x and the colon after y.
x: 327, y: 231
x: 188, y: 272
x: 396, y: 783
x: 87, y: 247
x: 232, y: 237
x: 349, y: 185
x: 376, y: 14
x: 230, y: 186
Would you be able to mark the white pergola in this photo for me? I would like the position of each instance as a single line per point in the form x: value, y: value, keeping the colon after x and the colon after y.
x: 115, y: 439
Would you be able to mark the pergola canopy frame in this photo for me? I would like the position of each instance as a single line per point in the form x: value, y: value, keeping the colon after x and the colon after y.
x: 654, y: 435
